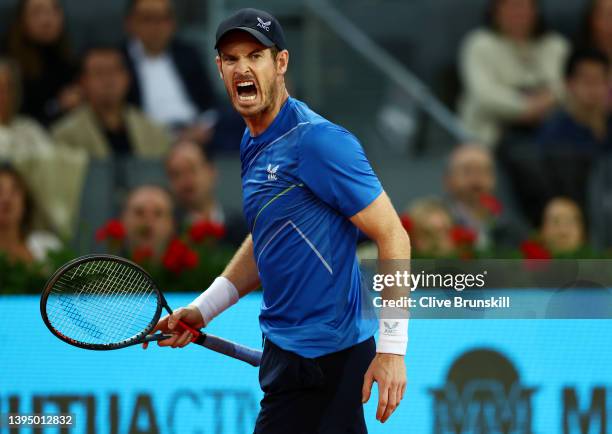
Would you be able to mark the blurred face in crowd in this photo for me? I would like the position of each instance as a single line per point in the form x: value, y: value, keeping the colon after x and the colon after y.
x: 12, y: 202
x: 515, y: 18
x: 470, y: 174
x: 253, y: 77
x: 105, y: 78
x: 431, y: 233
x: 192, y: 177
x: 562, y: 227
x: 43, y: 21
x: 601, y: 24
x: 148, y: 219
x: 152, y: 23
x: 588, y: 86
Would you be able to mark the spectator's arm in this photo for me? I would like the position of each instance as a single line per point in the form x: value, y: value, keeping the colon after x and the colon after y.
x: 477, y: 63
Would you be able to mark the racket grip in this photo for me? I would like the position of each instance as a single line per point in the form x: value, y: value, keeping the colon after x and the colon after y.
x: 231, y: 349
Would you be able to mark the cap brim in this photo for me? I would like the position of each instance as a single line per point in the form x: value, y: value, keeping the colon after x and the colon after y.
x: 254, y: 33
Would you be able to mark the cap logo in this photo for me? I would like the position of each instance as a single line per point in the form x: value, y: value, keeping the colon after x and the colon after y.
x: 264, y: 24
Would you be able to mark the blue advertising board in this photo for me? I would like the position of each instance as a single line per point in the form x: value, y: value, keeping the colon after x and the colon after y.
x: 464, y: 376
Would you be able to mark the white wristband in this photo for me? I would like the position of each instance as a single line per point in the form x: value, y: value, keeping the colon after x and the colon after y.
x: 393, y: 331
x: 220, y: 295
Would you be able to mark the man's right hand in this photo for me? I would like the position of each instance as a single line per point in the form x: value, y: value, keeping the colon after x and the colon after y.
x: 170, y: 325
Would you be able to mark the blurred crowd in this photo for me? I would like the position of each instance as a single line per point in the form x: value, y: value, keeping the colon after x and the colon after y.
x: 539, y: 109
x: 537, y: 105
x: 149, y: 98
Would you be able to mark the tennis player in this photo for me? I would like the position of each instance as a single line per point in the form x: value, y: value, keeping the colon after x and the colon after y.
x: 307, y: 190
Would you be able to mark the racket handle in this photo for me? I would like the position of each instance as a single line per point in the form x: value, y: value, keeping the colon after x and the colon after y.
x: 231, y: 349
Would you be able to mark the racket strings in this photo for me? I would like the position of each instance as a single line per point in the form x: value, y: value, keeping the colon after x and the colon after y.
x: 90, y: 326
x: 102, y: 302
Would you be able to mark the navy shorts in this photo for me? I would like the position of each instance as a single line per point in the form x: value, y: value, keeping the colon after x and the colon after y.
x: 313, y: 396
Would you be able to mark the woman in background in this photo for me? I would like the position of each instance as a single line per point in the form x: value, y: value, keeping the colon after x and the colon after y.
x: 563, y: 230
x: 38, y: 42
x: 17, y: 239
x: 53, y: 173
x: 511, y: 70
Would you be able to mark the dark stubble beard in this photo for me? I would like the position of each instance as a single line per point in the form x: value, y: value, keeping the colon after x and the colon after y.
x: 270, y: 98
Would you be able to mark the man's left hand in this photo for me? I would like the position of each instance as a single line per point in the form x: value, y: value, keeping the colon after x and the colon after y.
x: 389, y: 371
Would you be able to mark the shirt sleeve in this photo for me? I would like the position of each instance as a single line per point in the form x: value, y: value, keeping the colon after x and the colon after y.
x: 334, y: 166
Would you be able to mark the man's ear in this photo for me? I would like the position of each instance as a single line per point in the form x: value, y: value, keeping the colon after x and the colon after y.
x: 218, y: 62
x: 282, y: 61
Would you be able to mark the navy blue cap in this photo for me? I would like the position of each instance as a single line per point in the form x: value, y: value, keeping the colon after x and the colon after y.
x: 259, y: 24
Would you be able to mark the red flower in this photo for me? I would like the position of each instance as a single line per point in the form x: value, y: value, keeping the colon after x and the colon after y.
x: 203, y: 229
x: 463, y: 236
x: 190, y: 259
x: 142, y: 254
x: 179, y: 257
x: 491, y: 204
x: 406, y: 222
x: 174, y: 253
x: 534, y: 250
x: 113, y: 229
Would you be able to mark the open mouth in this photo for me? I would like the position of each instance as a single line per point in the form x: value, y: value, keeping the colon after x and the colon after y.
x: 247, y: 91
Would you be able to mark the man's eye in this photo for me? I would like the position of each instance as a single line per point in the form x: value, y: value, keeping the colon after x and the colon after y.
x: 255, y: 56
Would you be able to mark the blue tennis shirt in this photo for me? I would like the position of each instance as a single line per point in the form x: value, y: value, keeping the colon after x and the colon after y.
x: 302, y: 179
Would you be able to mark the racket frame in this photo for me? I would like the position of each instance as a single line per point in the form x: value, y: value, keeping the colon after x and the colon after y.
x: 134, y: 340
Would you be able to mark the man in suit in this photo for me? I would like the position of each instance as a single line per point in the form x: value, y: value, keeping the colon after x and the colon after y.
x: 169, y: 80
x: 106, y: 125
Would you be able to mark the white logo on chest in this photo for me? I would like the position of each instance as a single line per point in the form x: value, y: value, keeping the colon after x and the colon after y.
x: 272, y: 172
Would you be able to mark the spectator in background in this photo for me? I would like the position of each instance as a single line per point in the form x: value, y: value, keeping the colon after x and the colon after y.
x: 170, y: 82
x: 148, y: 220
x: 38, y: 42
x: 562, y: 231
x: 597, y: 33
x: 470, y: 182
x: 511, y: 71
x: 54, y: 174
x: 584, y: 124
x: 106, y: 125
x: 431, y: 229
x: 577, y: 134
x: 193, y: 178
x: 17, y: 239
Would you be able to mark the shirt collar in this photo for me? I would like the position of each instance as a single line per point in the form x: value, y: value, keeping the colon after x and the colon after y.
x: 275, y: 129
x: 137, y: 51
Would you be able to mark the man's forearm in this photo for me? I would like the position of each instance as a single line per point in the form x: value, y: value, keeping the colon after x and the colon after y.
x: 242, y: 269
x: 395, y: 244
x: 239, y: 278
x: 394, y: 257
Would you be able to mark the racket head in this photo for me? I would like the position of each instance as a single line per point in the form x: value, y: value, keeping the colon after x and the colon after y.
x: 101, y: 302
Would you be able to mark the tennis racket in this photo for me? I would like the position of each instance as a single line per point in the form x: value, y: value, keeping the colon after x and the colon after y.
x: 104, y: 302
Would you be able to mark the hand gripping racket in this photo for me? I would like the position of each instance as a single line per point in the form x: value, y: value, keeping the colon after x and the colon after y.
x: 104, y: 302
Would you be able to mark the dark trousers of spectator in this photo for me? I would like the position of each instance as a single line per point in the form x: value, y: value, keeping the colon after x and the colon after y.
x: 538, y: 177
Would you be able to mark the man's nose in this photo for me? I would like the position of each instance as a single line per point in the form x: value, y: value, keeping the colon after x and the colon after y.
x: 244, y: 66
